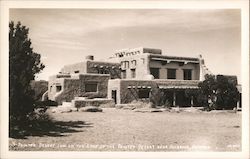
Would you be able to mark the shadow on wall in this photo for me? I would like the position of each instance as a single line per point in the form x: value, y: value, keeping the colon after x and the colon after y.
x: 54, y: 129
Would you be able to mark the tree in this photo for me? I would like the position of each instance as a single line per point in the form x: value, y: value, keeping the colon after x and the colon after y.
x: 24, y: 63
x: 219, y: 91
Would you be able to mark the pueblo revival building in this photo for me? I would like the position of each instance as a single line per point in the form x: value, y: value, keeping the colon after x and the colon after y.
x: 131, y: 75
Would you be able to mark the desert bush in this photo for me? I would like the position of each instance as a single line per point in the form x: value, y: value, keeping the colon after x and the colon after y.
x: 157, y: 97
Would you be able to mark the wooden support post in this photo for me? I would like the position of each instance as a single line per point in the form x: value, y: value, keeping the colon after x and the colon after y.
x: 174, y: 98
x: 192, y: 101
x: 238, y: 105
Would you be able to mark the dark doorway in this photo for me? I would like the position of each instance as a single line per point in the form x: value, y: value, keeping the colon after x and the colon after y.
x: 155, y: 72
x: 114, y: 92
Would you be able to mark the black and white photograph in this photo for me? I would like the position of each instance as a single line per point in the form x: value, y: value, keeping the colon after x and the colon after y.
x: 125, y: 79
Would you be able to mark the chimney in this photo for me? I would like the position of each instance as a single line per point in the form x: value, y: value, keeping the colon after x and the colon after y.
x: 89, y: 57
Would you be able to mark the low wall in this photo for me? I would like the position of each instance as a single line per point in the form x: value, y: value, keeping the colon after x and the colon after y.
x: 99, y: 102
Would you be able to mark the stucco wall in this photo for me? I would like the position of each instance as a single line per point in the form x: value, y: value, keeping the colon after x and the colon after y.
x: 126, y: 95
x: 90, y: 66
x: 141, y: 67
x: 144, y: 63
x: 75, y: 87
x: 81, y: 67
x: 115, y: 85
x: 179, y: 69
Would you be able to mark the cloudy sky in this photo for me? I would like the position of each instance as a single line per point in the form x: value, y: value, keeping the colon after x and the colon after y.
x: 66, y: 36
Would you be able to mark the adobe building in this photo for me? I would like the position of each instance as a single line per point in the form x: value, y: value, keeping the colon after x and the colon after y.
x: 85, y: 79
x: 145, y: 72
x: 131, y: 75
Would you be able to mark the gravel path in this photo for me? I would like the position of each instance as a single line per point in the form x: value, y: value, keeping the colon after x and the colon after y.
x: 125, y: 130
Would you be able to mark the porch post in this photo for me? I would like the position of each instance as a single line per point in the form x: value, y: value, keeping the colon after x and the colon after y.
x: 174, y: 98
x: 238, y: 105
x: 192, y: 101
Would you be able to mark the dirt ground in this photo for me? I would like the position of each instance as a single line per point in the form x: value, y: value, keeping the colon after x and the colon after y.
x: 125, y: 130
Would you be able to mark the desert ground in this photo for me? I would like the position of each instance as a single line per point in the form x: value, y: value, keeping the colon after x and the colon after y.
x: 126, y: 130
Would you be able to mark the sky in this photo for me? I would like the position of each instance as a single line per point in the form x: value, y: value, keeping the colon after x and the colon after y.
x: 66, y: 36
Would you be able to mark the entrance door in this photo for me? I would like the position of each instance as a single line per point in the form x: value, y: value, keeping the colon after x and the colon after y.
x: 114, y: 92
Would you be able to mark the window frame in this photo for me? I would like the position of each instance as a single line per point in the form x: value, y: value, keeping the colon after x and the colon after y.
x: 184, y: 73
x: 169, y: 71
x: 91, y: 83
x: 143, y: 96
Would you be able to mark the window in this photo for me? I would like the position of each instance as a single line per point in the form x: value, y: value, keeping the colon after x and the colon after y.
x: 187, y: 74
x: 171, y: 74
x: 155, y: 72
x: 77, y: 71
x: 91, y: 87
x: 143, y: 93
x: 103, y: 71
x: 58, y: 88
x: 133, y: 73
x: 123, y: 74
x: 133, y: 63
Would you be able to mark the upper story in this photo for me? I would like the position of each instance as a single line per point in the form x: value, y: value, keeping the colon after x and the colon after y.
x: 142, y: 64
x: 89, y: 66
x: 149, y: 63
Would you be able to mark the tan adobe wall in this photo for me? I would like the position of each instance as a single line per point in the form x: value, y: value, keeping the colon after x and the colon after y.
x: 139, y: 63
x: 114, y: 84
x: 126, y: 95
x: 94, y: 67
x: 179, y: 69
x: 143, y: 62
x: 81, y: 67
x: 75, y: 87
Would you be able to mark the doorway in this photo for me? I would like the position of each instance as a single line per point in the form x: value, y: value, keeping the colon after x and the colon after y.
x: 114, y: 94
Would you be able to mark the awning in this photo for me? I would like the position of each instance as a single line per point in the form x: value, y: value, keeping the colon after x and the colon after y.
x: 139, y: 87
x: 178, y: 87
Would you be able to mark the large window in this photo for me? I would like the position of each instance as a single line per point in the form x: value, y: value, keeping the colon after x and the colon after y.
x: 143, y: 93
x: 171, y: 73
x: 187, y: 74
x: 155, y: 72
x: 91, y: 87
x: 133, y: 74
